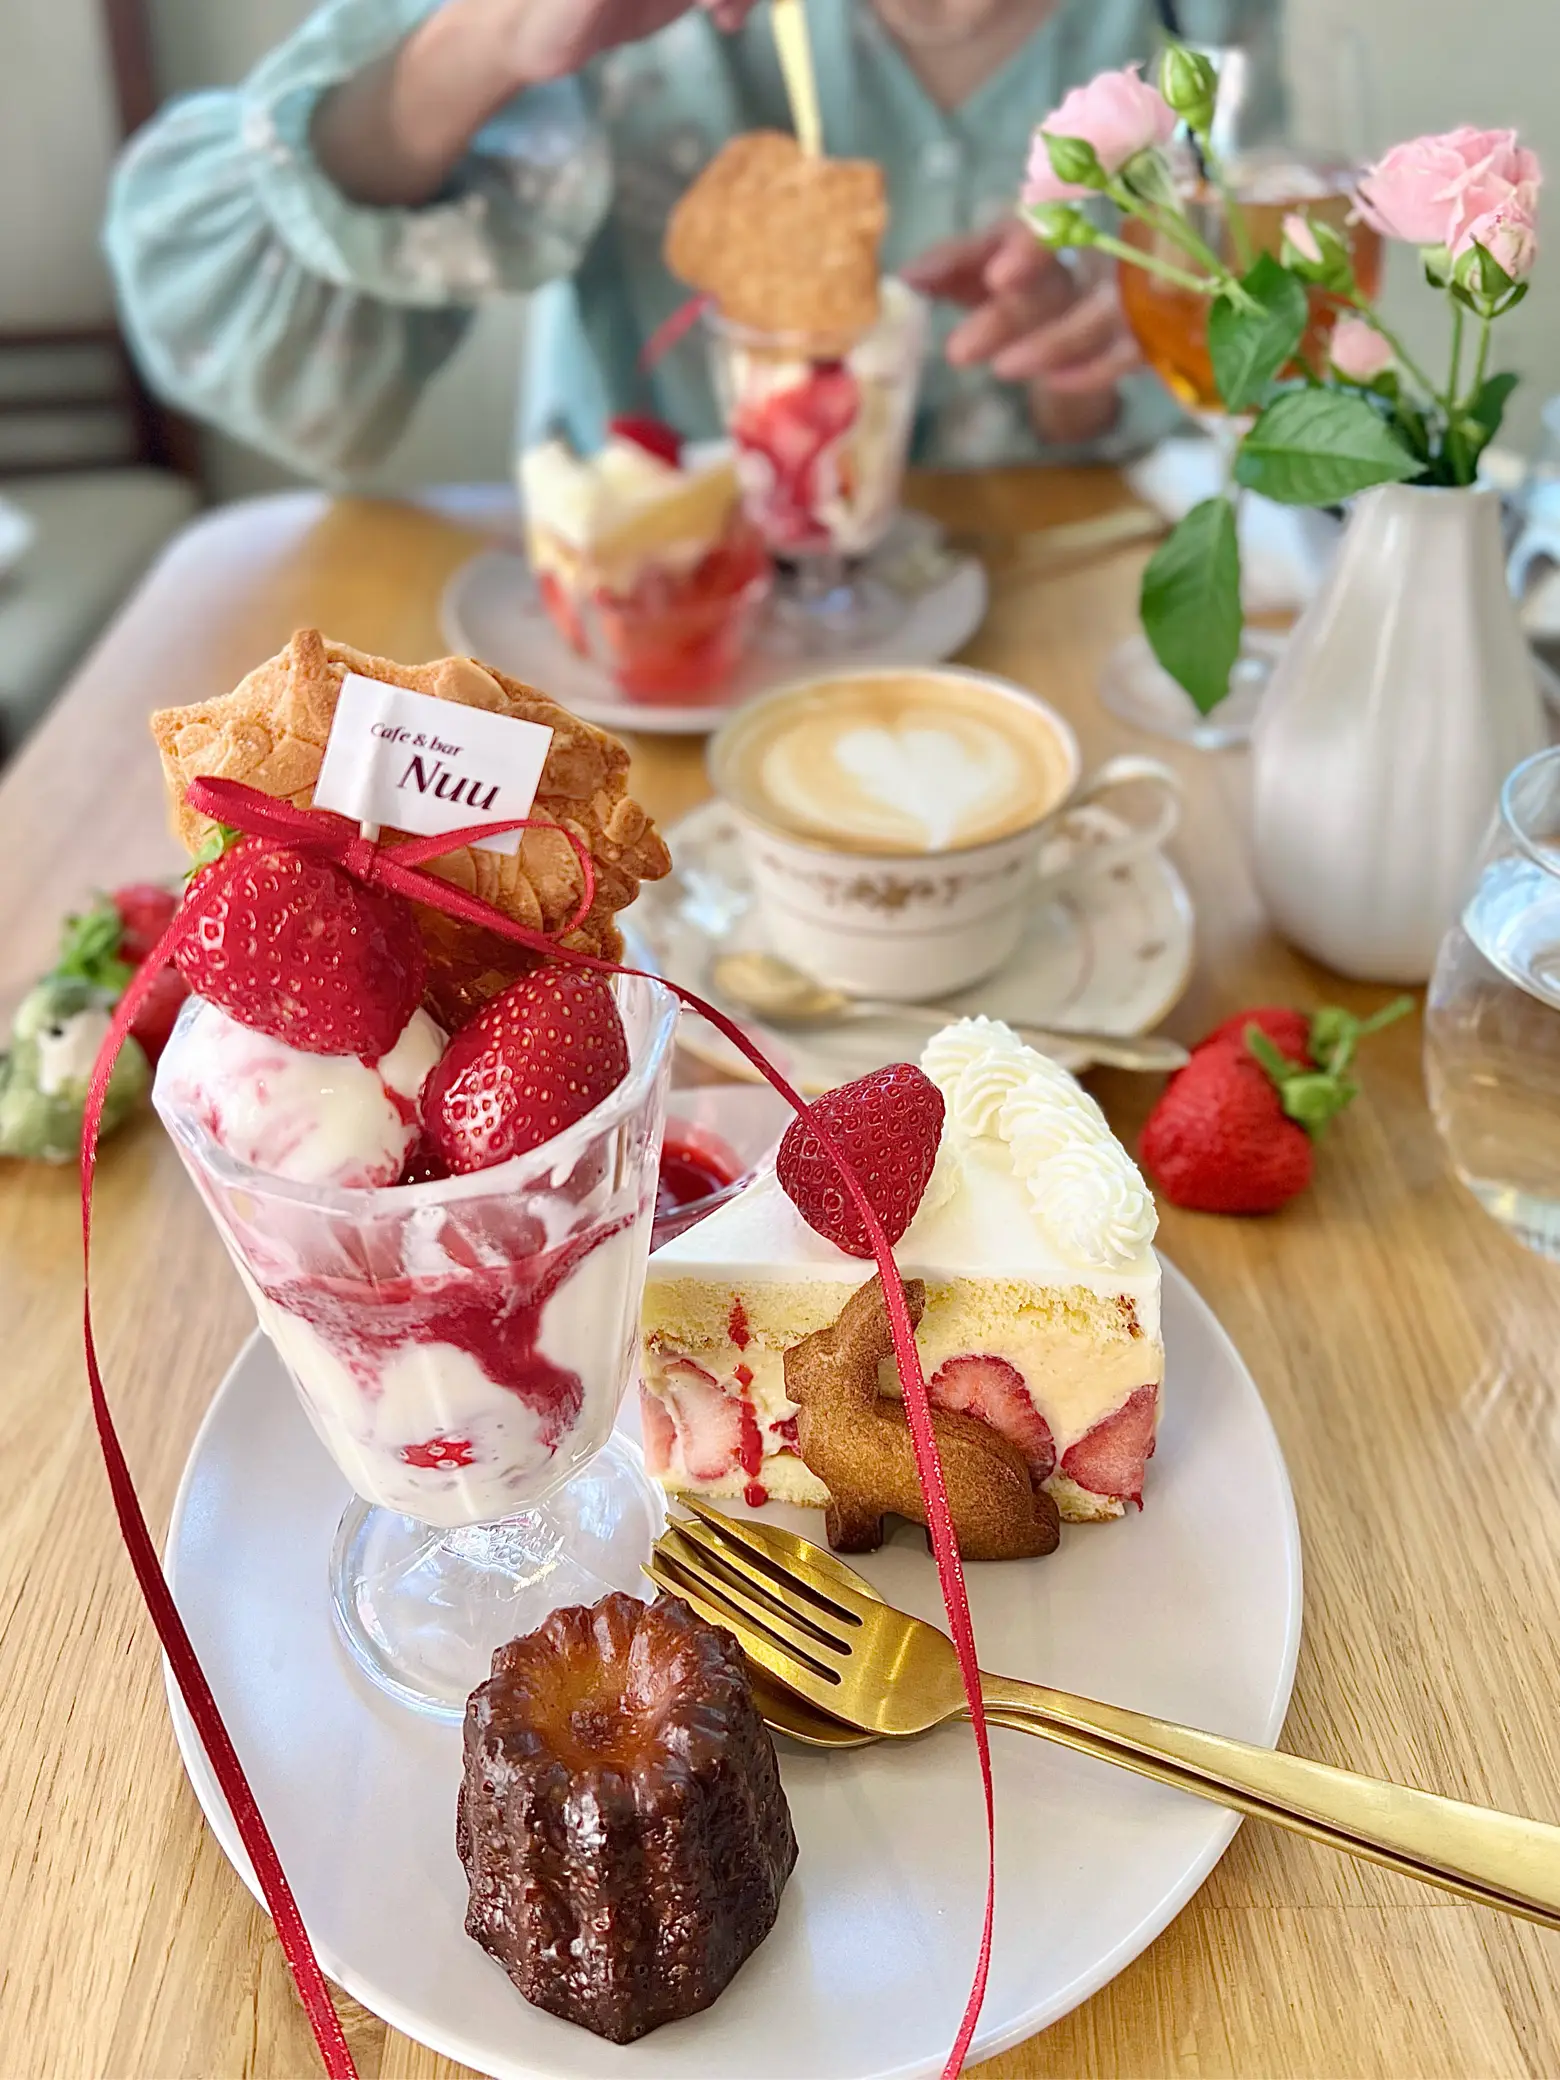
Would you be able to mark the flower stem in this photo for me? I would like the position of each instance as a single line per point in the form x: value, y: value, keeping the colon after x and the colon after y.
x: 1454, y: 377
x: 1152, y: 264
x: 1374, y: 321
x: 1481, y: 356
x: 1169, y: 223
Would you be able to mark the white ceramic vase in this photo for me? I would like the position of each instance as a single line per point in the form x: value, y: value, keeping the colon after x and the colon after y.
x: 1404, y: 697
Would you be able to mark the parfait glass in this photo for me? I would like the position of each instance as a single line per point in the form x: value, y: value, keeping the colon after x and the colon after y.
x: 462, y: 1348
x: 1492, y: 1017
x: 822, y: 429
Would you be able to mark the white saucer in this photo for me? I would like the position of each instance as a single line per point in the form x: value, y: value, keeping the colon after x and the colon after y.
x: 1191, y: 1610
x: 1111, y: 953
x: 490, y: 610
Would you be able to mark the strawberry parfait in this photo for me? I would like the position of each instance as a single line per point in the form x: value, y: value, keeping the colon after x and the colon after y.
x: 644, y: 559
x: 444, y: 1238
x: 822, y: 426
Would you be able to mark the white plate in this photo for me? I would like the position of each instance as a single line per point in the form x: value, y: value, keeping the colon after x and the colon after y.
x: 490, y: 610
x: 1111, y: 953
x: 1191, y: 1610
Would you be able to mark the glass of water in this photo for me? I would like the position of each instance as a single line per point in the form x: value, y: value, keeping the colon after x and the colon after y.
x: 1492, y: 1022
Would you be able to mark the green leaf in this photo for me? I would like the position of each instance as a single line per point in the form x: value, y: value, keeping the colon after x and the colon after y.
x: 1313, y: 447
x: 1488, y: 403
x: 89, y: 948
x: 1190, y: 602
x: 1249, y: 346
x: 219, y: 838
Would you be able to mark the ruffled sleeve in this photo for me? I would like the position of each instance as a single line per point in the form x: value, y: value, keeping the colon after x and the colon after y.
x: 260, y: 298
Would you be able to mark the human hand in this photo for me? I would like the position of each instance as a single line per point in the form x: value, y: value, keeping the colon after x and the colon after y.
x: 1034, y: 322
x: 548, y: 39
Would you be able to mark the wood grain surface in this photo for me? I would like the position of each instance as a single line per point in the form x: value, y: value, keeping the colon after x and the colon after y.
x: 1409, y: 1353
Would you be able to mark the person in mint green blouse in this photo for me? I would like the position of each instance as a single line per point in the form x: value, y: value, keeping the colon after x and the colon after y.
x: 296, y: 257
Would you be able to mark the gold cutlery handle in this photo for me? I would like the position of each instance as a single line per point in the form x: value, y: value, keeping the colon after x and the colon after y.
x: 1498, y: 1858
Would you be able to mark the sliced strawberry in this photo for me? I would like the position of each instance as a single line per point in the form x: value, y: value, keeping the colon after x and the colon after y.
x: 793, y: 429
x: 145, y: 912
x: 297, y: 949
x: 889, y: 1125
x: 541, y: 1055
x: 437, y: 1452
x: 994, y: 1390
x: 1109, y: 1459
x: 709, y: 1423
x: 563, y: 613
x: 660, y: 1432
x: 653, y: 435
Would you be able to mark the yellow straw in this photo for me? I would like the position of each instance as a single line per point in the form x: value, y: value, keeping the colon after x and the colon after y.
x: 795, y: 48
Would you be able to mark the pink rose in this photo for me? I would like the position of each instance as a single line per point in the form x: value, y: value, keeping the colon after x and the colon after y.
x: 1117, y: 112
x: 1430, y: 190
x: 1507, y: 233
x: 1358, y: 351
x: 1297, y: 230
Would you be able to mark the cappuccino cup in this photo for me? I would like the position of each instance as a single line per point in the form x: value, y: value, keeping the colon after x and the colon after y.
x: 893, y: 821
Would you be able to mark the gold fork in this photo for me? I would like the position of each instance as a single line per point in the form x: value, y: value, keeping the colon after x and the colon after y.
x: 800, y: 1620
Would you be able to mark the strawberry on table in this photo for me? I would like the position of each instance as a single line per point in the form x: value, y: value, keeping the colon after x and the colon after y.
x: 297, y: 949
x: 146, y: 909
x: 1235, y: 1130
x: 106, y: 944
x: 889, y: 1125
x: 538, y: 1057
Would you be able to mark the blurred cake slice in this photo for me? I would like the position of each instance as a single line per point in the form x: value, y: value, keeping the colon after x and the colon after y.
x: 1034, y: 1239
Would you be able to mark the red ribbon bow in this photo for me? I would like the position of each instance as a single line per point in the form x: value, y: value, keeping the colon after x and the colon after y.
x: 278, y: 826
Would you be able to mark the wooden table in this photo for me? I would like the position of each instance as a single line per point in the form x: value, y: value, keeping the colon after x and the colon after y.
x: 1409, y: 1353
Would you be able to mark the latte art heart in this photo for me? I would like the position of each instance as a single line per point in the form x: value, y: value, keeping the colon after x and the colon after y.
x: 936, y: 779
x: 897, y: 762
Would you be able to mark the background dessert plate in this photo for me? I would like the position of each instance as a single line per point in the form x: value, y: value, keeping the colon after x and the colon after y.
x: 1110, y: 952
x: 490, y: 610
x: 1191, y: 1610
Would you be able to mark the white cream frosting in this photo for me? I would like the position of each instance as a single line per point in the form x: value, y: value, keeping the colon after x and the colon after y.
x: 1087, y: 1192
x: 1081, y: 1215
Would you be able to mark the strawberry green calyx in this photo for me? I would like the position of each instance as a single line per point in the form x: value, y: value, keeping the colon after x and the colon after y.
x: 219, y: 838
x: 1314, y: 1093
x: 89, y: 948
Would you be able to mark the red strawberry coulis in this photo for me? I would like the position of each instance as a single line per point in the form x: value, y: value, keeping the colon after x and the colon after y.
x: 492, y: 1312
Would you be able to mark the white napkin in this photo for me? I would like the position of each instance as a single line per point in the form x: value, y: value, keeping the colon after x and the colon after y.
x: 1284, y: 550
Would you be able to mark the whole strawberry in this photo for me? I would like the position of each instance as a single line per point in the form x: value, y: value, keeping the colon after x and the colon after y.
x: 297, y: 949
x: 145, y: 912
x: 106, y: 944
x: 1235, y: 1130
x: 889, y: 1125
x: 539, y: 1056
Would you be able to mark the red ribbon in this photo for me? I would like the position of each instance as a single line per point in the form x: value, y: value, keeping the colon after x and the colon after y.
x: 273, y: 824
x: 670, y: 330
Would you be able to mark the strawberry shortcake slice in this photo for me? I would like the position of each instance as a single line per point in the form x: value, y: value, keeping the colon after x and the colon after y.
x: 1002, y: 1187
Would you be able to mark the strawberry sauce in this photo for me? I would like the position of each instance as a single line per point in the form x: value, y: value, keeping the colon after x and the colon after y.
x: 493, y: 1313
